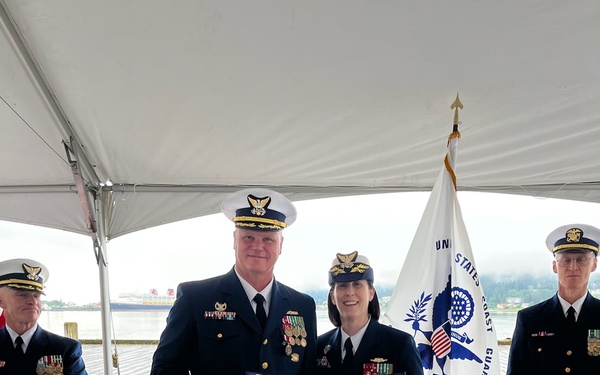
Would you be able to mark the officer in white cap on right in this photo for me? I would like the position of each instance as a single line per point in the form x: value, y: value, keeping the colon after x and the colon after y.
x: 562, y: 334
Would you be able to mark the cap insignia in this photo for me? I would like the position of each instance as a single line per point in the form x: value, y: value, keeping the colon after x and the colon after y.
x: 335, y: 270
x: 259, y: 205
x: 347, y: 260
x: 574, y: 235
x: 32, y: 272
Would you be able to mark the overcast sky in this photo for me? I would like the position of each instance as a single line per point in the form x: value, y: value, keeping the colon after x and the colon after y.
x: 507, y: 234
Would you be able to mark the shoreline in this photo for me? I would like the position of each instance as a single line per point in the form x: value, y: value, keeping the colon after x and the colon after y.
x: 155, y: 342
x: 83, y: 308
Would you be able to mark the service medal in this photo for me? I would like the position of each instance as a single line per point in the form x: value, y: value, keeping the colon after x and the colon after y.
x: 593, y: 342
x: 49, y: 365
x: 288, y: 330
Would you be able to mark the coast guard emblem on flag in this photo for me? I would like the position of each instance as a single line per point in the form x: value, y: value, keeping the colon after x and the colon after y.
x: 456, y: 303
x: 448, y: 316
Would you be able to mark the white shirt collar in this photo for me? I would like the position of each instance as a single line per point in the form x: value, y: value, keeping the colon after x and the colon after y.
x: 251, y: 292
x: 576, y: 305
x: 26, y: 336
x: 356, y: 339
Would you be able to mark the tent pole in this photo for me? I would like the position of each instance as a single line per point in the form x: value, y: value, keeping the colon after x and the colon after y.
x: 104, y: 284
x: 95, y: 203
x: 105, y: 310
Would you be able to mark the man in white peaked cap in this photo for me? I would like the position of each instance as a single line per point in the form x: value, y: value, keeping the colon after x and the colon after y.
x: 562, y: 334
x: 26, y: 348
x: 244, y: 322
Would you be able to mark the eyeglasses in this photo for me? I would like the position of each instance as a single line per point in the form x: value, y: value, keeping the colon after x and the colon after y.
x: 580, y: 261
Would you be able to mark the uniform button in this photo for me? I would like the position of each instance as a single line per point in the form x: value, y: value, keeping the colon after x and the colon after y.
x: 219, y: 335
x: 265, y: 365
x: 569, y: 352
x: 265, y: 342
x: 539, y: 350
x: 567, y: 370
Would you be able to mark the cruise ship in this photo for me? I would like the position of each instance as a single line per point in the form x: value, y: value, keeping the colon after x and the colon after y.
x: 144, y: 301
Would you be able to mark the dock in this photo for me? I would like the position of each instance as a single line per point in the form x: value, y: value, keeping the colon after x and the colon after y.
x: 136, y: 359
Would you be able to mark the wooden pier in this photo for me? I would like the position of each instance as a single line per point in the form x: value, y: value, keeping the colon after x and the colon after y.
x: 136, y: 358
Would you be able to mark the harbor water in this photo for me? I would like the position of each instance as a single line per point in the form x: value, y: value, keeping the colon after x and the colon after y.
x: 148, y: 325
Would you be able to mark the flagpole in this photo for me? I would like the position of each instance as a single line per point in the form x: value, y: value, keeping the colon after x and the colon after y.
x: 438, y: 297
x: 456, y: 106
x: 455, y: 134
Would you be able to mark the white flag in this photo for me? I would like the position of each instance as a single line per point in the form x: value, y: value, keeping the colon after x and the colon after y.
x: 438, y: 297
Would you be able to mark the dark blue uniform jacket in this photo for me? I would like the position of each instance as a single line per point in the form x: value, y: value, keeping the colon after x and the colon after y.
x: 544, y: 343
x: 43, y: 343
x: 199, y: 340
x: 379, y: 342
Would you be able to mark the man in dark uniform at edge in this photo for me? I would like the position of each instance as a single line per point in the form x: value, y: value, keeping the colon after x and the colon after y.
x: 562, y: 334
x: 215, y: 326
x: 26, y: 348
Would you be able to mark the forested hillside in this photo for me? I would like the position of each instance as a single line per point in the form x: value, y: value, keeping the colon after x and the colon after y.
x: 526, y: 289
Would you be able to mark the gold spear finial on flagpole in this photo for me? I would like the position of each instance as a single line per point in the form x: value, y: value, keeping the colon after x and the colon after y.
x: 455, y: 106
x: 455, y: 134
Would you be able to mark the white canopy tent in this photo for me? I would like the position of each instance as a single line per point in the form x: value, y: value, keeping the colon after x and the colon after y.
x: 149, y: 112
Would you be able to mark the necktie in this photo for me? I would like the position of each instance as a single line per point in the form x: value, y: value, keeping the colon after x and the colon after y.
x: 571, y: 315
x: 349, y: 353
x: 260, y: 310
x: 19, y: 345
